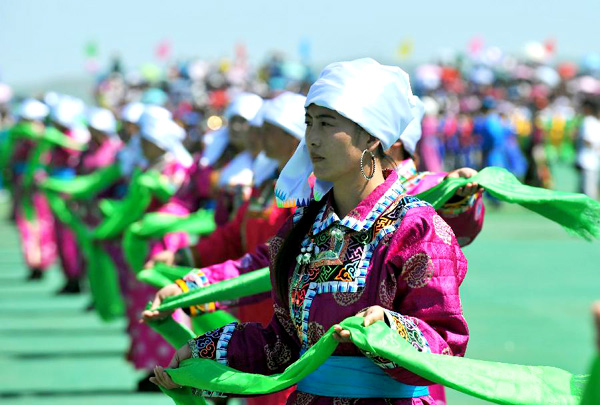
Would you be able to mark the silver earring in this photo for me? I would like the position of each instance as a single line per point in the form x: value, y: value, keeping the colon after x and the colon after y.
x: 362, y: 165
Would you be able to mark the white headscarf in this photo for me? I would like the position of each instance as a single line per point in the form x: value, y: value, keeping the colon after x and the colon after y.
x: 102, y: 120
x: 215, y: 144
x: 167, y: 135
x: 68, y: 112
x: 132, y: 112
x: 376, y: 97
x: 32, y: 109
x: 245, y: 105
x: 287, y: 112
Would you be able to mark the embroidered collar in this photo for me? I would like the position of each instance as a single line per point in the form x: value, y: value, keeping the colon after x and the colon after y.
x: 366, y: 213
x: 406, y: 170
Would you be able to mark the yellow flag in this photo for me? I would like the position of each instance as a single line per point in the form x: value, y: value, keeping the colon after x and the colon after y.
x: 405, y: 48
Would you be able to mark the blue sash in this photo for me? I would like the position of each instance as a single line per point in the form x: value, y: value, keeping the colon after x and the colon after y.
x: 64, y: 173
x: 356, y: 377
x: 19, y: 168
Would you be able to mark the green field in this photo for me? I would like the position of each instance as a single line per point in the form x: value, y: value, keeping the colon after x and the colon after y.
x: 526, y: 298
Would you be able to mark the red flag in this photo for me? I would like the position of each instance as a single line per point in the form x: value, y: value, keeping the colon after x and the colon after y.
x: 550, y: 46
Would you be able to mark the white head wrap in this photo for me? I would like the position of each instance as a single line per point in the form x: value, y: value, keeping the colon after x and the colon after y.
x: 287, y: 112
x: 167, y: 135
x: 32, y: 109
x: 215, y: 144
x: 102, y: 120
x: 51, y: 98
x: 156, y: 112
x: 376, y: 97
x: 68, y: 112
x: 257, y: 121
x: 264, y: 168
x: 245, y: 105
x: 132, y: 112
x: 238, y: 172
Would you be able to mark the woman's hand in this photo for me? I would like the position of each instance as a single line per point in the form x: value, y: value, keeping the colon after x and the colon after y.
x: 470, y: 188
x: 371, y: 315
x: 152, y: 314
x: 165, y: 257
x: 160, y: 375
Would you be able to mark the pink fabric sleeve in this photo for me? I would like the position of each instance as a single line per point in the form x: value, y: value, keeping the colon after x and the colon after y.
x: 465, y: 216
x: 174, y: 241
x: 429, y: 268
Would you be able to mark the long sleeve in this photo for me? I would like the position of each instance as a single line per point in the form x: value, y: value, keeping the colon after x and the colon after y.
x: 178, y: 204
x: 199, y: 278
x: 251, y: 347
x: 428, y: 267
x: 465, y: 217
x: 174, y: 241
x: 224, y: 243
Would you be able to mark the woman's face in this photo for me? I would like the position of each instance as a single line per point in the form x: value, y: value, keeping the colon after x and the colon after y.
x: 335, y: 144
x: 151, y: 151
x: 255, y: 141
x: 278, y: 144
x: 128, y: 129
x: 97, y: 136
x: 238, y: 131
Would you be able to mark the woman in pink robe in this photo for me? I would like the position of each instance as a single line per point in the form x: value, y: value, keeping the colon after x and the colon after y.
x: 36, y: 231
x: 366, y: 247
x: 161, y: 144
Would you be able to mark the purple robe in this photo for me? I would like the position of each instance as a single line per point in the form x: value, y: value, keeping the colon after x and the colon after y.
x: 392, y: 250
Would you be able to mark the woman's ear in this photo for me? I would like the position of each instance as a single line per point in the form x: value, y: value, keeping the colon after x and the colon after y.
x: 373, y: 144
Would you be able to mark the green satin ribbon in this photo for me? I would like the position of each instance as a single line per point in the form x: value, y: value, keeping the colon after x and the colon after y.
x: 155, y: 225
x: 142, y: 188
x: 87, y: 186
x: 592, y: 391
x: 246, y: 285
x: 101, y: 271
x: 162, y: 275
x: 577, y: 213
x: 500, y: 383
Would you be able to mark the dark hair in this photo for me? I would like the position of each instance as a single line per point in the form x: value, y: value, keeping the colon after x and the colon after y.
x: 590, y: 104
x: 286, y: 257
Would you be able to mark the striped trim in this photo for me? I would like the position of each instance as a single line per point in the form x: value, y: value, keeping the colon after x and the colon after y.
x: 223, y: 342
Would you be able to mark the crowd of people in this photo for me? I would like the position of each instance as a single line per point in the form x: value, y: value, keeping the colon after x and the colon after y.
x: 314, y: 178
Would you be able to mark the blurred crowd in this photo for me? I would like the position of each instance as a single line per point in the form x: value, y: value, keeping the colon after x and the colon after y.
x: 485, y: 108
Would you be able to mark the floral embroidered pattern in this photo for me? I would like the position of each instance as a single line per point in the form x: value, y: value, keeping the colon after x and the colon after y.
x: 275, y: 243
x: 303, y: 398
x: 344, y: 401
x: 447, y: 351
x: 348, y: 298
x: 315, y: 332
x: 284, y: 319
x: 417, y: 270
x: 442, y: 229
x: 277, y: 354
x: 387, y: 292
x: 409, y: 331
x: 205, y: 346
